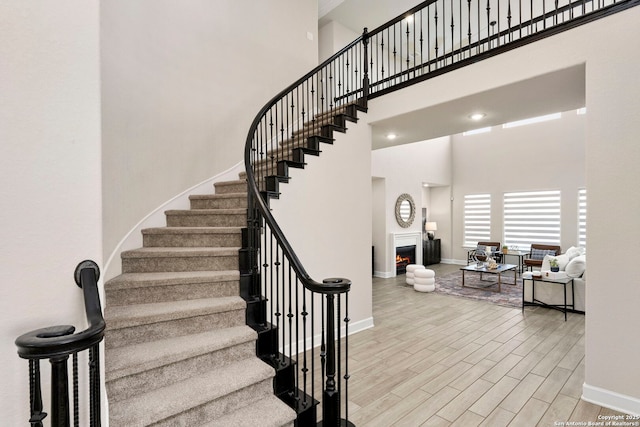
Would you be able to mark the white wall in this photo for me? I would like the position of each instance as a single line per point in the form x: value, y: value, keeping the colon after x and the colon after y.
x: 181, y: 83
x: 540, y: 156
x: 332, y: 235
x: 404, y: 169
x: 49, y: 175
x: 612, y: 155
x: 332, y: 37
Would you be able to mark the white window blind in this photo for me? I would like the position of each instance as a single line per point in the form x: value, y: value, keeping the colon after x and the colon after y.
x: 532, y: 217
x: 582, y: 217
x: 477, y: 218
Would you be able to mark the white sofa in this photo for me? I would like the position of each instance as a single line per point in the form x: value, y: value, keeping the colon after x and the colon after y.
x: 573, y: 264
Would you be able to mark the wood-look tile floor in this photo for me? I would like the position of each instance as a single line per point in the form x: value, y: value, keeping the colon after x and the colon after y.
x: 438, y: 360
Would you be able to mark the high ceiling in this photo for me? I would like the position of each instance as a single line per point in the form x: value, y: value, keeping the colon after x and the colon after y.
x: 555, y: 92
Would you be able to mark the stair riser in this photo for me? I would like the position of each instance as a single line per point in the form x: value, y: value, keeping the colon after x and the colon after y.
x: 219, y: 203
x: 217, y: 408
x: 183, y: 240
x: 230, y: 188
x: 191, y: 219
x: 180, y: 263
x: 132, y: 385
x: 176, y: 292
x: 172, y: 328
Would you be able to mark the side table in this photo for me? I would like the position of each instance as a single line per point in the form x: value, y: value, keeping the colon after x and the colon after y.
x: 559, y: 281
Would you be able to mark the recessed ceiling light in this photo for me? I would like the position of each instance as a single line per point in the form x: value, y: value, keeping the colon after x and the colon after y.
x: 391, y: 136
x: 477, y: 116
x: 409, y: 18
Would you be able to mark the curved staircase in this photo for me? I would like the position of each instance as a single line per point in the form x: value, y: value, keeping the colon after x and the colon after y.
x: 178, y: 350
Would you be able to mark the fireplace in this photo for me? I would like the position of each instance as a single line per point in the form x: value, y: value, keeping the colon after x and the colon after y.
x: 405, y: 255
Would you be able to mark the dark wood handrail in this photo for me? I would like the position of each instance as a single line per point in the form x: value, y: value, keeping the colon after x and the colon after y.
x: 334, y: 286
x: 61, y: 340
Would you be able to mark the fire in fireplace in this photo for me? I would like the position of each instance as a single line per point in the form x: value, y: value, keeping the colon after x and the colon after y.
x: 405, y: 255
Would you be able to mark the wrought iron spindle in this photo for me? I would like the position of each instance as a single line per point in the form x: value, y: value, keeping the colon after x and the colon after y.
x: 35, y: 394
x: 76, y: 406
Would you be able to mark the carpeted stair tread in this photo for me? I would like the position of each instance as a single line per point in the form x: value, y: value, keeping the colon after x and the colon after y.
x: 218, y: 196
x: 192, y: 230
x: 129, y: 360
x: 140, y: 314
x: 267, y: 412
x: 218, y: 201
x: 206, y: 212
x: 160, y: 404
x: 142, y: 280
x: 181, y: 252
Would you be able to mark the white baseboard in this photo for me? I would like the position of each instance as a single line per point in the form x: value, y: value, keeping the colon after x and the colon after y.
x: 354, y: 328
x: 610, y: 399
x: 383, y: 274
x: 453, y: 261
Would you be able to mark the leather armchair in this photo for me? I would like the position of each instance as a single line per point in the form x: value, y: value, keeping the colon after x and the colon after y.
x: 530, y: 262
x: 497, y: 255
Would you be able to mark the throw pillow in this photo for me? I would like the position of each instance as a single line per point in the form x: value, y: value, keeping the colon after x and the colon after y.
x: 563, y: 260
x: 576, y: 266
x: 573, y: 252
x: 540, y: 253
x: 486, y: 248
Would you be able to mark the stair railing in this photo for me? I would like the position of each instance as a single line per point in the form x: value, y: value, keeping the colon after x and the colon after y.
x: 435, y: 37
x: 286, y: 129
x: 438, y: 36
x: 57, y: 343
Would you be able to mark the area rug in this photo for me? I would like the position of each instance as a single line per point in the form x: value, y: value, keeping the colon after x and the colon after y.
x: 451, y: 284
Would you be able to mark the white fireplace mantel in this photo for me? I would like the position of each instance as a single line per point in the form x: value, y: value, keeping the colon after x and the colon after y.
x: 406, y: 239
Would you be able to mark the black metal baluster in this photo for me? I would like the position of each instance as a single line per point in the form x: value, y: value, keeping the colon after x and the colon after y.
x: 290, y: 315
x: 453, y: 26
x: 347, y: 376
x: 479, y: 29
x: 35, y: 394
x: 278, y: 314
x: 421, y: 43
x: 413, y: 22
x: 394, y: 54
x: 488, y: 24
x: 408, y: 58
x: 443, y: 22
x: 435, y: 18
x: 297, y: 353
x: 469, y: 30
x: 520, y: 14
x: 76, y: 405
x: 94, y: 375
x: 460, y: 29
x: 305, y: 365
x: 509, y: 21
x: 313, y: 347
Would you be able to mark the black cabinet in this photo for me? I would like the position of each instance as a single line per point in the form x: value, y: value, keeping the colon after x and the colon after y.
x: 431, y: 251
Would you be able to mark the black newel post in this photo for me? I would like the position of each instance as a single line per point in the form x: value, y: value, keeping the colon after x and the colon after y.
x: 331, y: 393
x: 330, y: 396
x: 365, y: 67
x: 59, y: 392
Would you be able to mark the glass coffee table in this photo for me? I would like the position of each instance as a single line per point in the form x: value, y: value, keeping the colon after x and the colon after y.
x: 484, y: 270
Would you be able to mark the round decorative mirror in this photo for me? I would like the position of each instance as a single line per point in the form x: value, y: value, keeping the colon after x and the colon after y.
x: 405, y: 210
